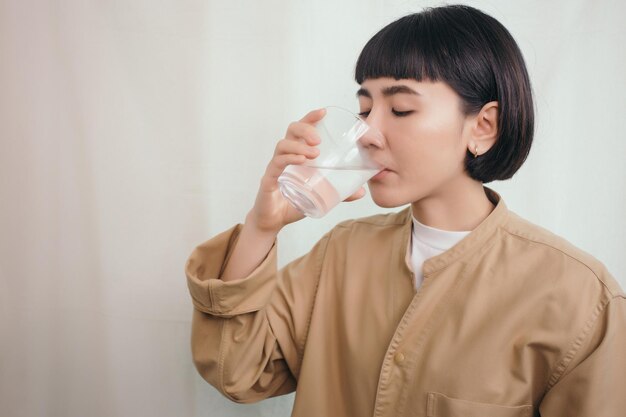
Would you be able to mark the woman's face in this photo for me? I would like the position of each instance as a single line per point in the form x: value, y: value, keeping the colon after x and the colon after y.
x: 425, y: 139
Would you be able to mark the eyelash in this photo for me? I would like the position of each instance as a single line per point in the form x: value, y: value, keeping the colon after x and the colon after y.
x: 397, y: 113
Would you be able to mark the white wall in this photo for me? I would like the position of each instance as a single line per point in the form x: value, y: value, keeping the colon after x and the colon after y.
x: 133, y: 130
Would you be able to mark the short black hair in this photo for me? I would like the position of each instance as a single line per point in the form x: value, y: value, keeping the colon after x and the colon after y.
x: 478, y: 58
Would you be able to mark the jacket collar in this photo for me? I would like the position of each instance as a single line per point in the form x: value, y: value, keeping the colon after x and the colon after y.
x: 470, y: 243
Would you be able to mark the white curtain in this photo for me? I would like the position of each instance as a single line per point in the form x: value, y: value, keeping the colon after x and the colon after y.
x: 133, y: 130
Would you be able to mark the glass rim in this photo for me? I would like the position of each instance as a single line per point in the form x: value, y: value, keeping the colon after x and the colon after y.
x: 350, y: 112
x: 357, y: 117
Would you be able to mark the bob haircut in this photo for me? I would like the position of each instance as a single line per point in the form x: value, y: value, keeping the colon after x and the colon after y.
x: 478, y: 58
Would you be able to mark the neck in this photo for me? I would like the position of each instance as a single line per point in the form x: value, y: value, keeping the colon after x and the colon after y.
x: 459, y: 207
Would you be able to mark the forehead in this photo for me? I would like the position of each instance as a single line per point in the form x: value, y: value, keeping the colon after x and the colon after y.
x: 388, y: 87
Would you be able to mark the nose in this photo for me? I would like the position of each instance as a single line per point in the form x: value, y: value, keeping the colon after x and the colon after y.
x: 372, y: 138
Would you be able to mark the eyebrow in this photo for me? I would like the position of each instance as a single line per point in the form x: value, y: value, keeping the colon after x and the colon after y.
x: 389, y: 91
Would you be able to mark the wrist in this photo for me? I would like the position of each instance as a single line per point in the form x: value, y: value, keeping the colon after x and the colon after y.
x: 253, y: 226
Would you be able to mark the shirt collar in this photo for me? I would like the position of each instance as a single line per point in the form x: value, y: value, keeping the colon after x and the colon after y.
x: 473, y: 241
x: 436, y: 238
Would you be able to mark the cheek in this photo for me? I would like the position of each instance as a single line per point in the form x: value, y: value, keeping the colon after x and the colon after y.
x: 438, y: 124
x: 430, y: 136
x: 442, y: 134
x: 431, y: 145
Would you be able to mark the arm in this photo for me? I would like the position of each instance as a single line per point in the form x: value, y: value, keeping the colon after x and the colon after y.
x: 250, y: 321
x: 594, y: 383
x: 252, y: 246
x: 248, y: 334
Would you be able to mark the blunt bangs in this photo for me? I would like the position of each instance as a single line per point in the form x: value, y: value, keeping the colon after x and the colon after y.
x: 401, y: 50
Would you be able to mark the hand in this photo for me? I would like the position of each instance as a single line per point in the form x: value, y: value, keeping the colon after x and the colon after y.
x: 271, y: 211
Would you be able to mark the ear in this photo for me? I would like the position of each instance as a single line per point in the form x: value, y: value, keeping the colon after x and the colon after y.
x: 484, y: 129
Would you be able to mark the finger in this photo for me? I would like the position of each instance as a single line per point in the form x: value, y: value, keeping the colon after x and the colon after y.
x: 314, y: 116
x: 299, y: 130
x: 290, y: 146
x: 278, y: 164
x: 360, y: 193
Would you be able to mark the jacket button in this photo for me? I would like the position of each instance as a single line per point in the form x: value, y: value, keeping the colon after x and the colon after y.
x: 399, y: 358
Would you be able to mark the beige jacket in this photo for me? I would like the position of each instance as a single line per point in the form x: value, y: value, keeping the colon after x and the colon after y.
x: 512, y: 321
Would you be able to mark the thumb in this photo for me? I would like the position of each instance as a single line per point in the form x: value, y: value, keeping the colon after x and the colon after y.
x: 314, y: 116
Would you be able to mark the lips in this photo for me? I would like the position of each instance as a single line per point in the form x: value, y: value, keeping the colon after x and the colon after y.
x: 382, y: 165
x: 381, y: 174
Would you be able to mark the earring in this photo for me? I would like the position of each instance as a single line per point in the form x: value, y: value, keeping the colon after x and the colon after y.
x: 476, y: 152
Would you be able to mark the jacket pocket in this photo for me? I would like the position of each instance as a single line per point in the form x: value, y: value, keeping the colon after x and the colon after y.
x: 440, y: 405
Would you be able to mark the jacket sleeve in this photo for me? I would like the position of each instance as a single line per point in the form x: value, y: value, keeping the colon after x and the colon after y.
x: 248, y: 335
x: 595, y: 382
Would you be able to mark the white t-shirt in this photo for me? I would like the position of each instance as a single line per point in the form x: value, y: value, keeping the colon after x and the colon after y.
x: 427, y: 242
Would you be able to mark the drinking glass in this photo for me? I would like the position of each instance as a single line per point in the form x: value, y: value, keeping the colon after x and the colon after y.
x: 341, y: 168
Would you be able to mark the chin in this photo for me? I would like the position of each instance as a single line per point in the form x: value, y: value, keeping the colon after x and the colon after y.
x: 386, y: 200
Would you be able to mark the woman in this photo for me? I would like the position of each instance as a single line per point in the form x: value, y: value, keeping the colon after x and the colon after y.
x: 454, y: 306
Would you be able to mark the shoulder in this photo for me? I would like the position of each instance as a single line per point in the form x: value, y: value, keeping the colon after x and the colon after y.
x: 393, y: 219
x: 377, y: 224
x: 554, y: 251
x: 371, y: 233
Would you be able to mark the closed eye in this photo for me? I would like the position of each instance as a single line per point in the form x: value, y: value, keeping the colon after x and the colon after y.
x: 397, y: 113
